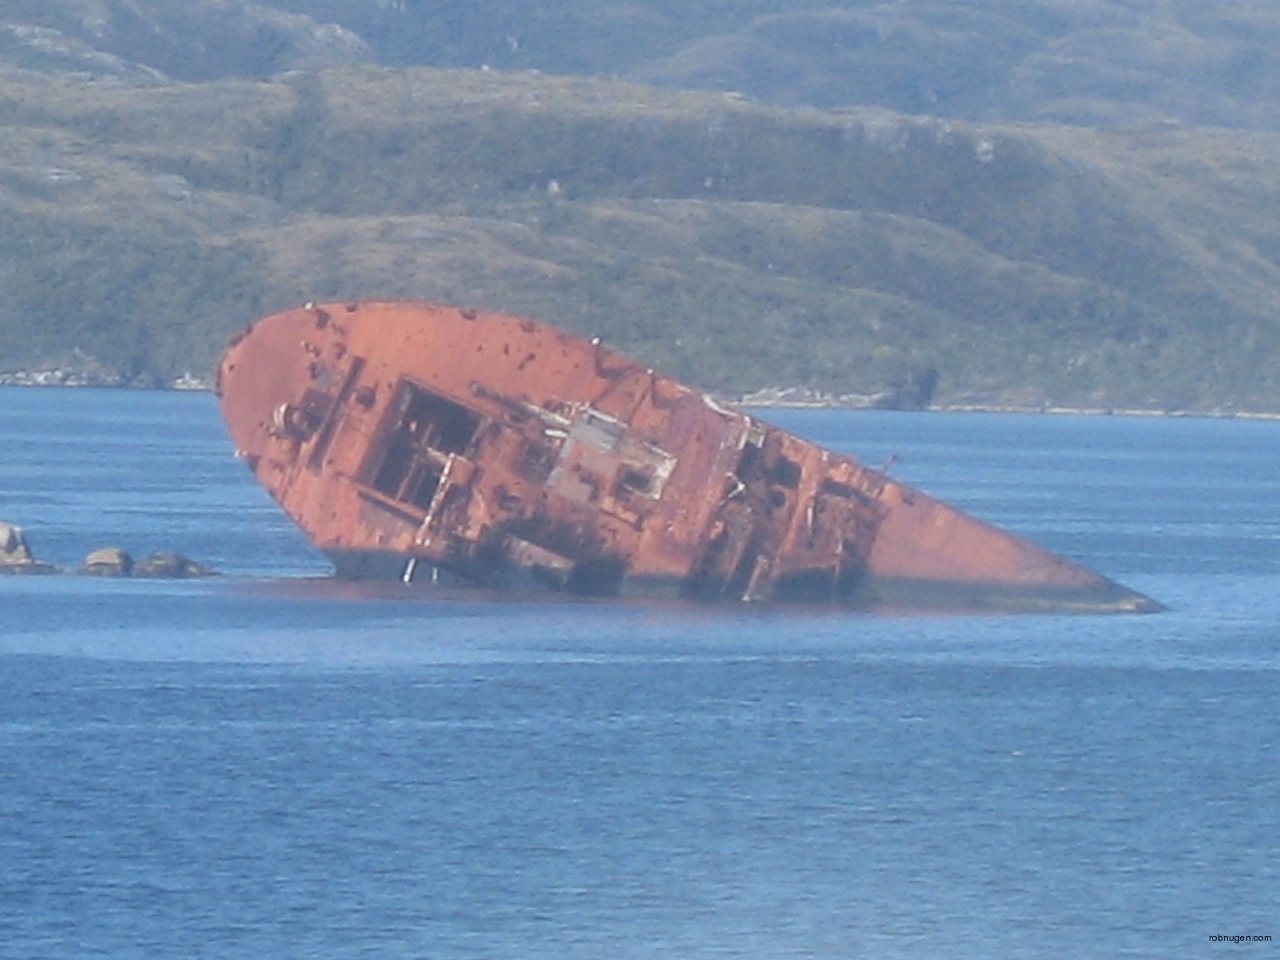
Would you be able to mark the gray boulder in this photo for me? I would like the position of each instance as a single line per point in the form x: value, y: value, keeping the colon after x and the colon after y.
x: 108, y: 562
x: 13, y: 544
x: 170, y: 565
x: 15, y: 554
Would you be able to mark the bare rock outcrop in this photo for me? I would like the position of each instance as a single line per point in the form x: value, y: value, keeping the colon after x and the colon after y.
x: 15, y: 553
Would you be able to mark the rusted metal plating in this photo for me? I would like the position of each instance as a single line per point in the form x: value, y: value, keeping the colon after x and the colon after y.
x: 409, y: 439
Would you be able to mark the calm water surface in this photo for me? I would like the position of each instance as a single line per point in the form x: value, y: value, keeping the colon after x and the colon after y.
x: 272, y: 765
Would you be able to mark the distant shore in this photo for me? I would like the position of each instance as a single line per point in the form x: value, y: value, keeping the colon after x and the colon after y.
x: 1038, y: 410
x: 776, y: 398
x: 800, y: 398
x: 58, y: 377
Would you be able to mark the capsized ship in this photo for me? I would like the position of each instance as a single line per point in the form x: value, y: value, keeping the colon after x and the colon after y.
x: 414, y: 441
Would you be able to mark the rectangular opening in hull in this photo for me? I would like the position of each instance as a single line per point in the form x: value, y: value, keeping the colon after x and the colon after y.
x: 420, y: 431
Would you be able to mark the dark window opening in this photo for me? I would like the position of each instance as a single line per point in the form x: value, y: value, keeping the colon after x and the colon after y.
x: 748, y: 463
x: 785, y: 473
x: 636, y: 480
x: 422, y: 430
x: 834, y: 488
x: 438, y: 423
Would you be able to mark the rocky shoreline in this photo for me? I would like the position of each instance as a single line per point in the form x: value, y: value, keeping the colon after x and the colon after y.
x: 804, y: 398
x: 780, y: 398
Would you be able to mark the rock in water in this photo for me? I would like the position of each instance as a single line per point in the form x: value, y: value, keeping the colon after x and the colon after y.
x: 171, y: 566
x: 15, y: 554
x: 13, y: 545
x: 108, y: 562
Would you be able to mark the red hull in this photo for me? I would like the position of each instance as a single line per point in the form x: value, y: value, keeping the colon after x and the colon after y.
x: 405, y: 437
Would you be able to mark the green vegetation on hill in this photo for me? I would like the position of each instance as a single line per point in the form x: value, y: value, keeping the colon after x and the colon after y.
x: 1070, y: 61
x: 732, y: 244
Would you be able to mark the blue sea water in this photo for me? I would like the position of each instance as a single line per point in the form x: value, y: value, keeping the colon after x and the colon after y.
x: 270, y: 764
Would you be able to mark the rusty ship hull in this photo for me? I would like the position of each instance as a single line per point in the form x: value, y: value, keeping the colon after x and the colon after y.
x: 411, y: 441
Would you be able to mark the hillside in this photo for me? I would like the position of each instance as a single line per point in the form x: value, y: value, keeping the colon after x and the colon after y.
x: 1083, y: 62
x: 855, y: 250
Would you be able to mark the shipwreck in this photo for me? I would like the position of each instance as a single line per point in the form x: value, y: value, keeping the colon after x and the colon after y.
x: 418, y: 442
